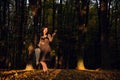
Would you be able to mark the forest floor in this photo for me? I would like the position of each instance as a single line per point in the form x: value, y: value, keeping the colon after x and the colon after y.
x: 59, y: 74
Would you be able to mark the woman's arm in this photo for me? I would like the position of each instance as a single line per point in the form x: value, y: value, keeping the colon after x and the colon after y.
x: 51, y: 36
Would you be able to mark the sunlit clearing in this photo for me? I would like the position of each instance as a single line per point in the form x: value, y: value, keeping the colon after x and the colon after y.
x: 80, y: 65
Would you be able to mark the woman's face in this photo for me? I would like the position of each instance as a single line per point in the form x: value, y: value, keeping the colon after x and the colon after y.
x: 45, y: 30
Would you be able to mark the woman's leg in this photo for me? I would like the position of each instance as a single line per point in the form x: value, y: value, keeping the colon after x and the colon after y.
x: 44, y: 66
x: 45, y: 56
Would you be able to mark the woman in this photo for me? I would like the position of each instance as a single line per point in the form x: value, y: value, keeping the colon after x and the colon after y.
x: 45, y: 40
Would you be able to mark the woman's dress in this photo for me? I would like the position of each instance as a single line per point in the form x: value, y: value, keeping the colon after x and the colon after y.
x: 45, y: 49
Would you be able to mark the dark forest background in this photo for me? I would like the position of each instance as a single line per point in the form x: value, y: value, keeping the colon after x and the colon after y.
x: 88, y: 35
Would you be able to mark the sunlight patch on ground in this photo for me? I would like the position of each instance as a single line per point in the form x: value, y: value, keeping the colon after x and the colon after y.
x: 29, y: 67
x: 80, y: 65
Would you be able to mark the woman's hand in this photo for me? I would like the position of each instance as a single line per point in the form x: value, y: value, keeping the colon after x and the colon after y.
x: 53, y: 34
x: 55, y: 31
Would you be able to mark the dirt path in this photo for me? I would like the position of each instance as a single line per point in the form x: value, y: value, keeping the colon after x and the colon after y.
x: 59, y: 74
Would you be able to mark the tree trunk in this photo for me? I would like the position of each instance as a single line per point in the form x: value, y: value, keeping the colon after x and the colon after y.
x: 82, y: 15
x: 115, y: 56
x: 104, y: 26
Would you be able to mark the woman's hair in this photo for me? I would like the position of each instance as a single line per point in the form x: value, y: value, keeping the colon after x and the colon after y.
x: 43, y: 29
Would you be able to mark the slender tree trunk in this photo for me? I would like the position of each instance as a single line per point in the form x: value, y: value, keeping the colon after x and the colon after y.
x: 117, y: 51
x: 4, y: 12
x: 0, y: 15
x: 81, y: 33
x: 19, y: 24
x: 60, y: 35
x: 4, y: 25
x: 39, y: 12
x: 44, y: 14
x: 104, y: 25
x: 53, y: 16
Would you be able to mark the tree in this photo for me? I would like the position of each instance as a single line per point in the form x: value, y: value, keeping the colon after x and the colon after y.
x: 82, y: 22
x: 104, y: 29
